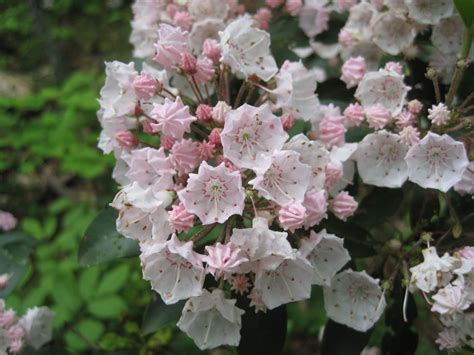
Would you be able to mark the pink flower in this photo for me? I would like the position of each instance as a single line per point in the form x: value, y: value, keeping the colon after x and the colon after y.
x: 7, y: 318
x: 346, y: 38
x: 467, y: 253
x: 185, y: 156
x: 450, y: 300
x: 220, y: 111
x: 314, y: 18
x: 145, y: 86
x: 126, y: 139
x: 333, y: 175
x: 394, y: 67
x: 188, y: 63
x: 448, y: 339
x: 171, y: 10
x: 353, y: 71
x: 172, y: 41
x: 213, y: 194
x: 294, y: 7
x: 240, y: 284
x: 316, y: 204
x: 210, y: 48
x: 147, y: 126
x: 273, y: 4
x: 172, y: 118
x: 166, y: 142
x: 292, y: 216
x: 414, y: 106
x: 215, y: 137
x: 405, y: 118
x: 438, y: 114
x: 183, y: 19
x: 204, y: 70
x: 377, y: 116
x: 343, y: 205
x: 7, y: 221
x: 180, y: 219
x: 204, y: 112
x: 223, y: 258
x: 409, y: 135
x: 354, y: 114
x: 287, y: 121
x: 206, y: 150
x: 16, y: 346
x: 344, y: 5
x: 263, y: 16
x: 332, y: 130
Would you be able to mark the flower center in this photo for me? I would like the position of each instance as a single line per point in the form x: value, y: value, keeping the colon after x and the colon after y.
x: 215, y: 189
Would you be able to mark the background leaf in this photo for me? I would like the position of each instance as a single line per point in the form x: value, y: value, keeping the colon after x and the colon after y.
x: 158, y: 315
x: 341, y: 340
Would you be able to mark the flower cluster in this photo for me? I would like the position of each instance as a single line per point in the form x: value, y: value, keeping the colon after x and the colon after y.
x: 33, y: 329
x: 448, y: 285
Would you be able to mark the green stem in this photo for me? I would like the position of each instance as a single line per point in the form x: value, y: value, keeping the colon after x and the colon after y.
x: 460, y: 66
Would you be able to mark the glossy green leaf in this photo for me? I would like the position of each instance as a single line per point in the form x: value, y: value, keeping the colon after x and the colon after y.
x: 158, y: 315
x: 466, y: 10
x: 18, y: 244
x: 15, y: 268
x: 102, y: 242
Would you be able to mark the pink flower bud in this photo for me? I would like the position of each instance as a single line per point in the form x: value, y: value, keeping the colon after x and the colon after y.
x: 4, y: 278
x: 404, y: 119
x: 292, y: 216
x: 204, y: 70
x: 148, y: 126
x: 409, y: 135
x: 333, y: 175
x: 287, y: 120
x: 414, y: 106
x: 263, y: 17
x: 346, y: 38
x: 180, y: 219
x: 316, y: 204
x: 467, y: 253
x: 210, y: 49
x: 377, y: 116
x: 343, y: 205
x: 138, y: 110
x: 394, y: 67
x: 16, y: 345
x: 204, y: 112
x: 188, y: 63
x: 183, y: 19
x: 126, y: 139
x: 294, y: 7
x: 145, y: 86
x: 272, y: 4
x: 353, y: 71
x: 220, y: 111
x: 354, y: 114
x: 215, y: 137
x: 15, y: 331
x: 7, y: 221
x: 332, y: 130
x: 206, y: 150
x: 167, y: 142
x: 171, y: 10
x: 7, y: 318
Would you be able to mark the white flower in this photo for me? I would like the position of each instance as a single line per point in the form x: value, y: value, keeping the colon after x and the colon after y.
x: 466, y: 185
x: 381, y: 159
x: 204, y: 29
x: 327, y: 255
x: 314, y: 17
x: 450, y: 300
x: 447, y: 34
x: 211, y: 320
x: 314, y: 154
x: 437, y: 162
x: 385, y: 88
x: 392, y: 32
x: 429, y: 12
x: 295, y: 90
x: 283, y: 178
x: 173, y: 268
x: 202, y: 9
x: 38, y: 326
x: 251, y: 133
x: 354, y: 299
x: 289, y: 282
x: 246, y: 49
x: 438, y: 114
x: 432, y: 272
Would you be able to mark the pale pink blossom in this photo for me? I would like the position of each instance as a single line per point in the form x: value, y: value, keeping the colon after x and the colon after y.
x: 354, y: 114
x: 172, y: 118
x: 287, y: 121
x: 409, y: 135
x: 332, y: 130
x: 220, y: 111
x: 438, y: 114
x: 210, y: 48
x: 405, y: 119
x: 392, y: 33
x: 223, y: 258
x: 273, y: 4
x: 450, y: 300
x: 240, y: 284
x: 7, y: 318
x: 344, y: 5
x: 167, y: 142
x: 283, y: 178
x: 377, y: 116
x: 395, y: 67
x: 206, y: 150
x: 438, y: 9
x: 213, y: 194
x: 204, y: 112
x: 346, y: 38
x: 333, y: 175
x: 180, y: 219
x: 215, y: 137
x: 185, y: 156
x: 314, y: 18
x: 343, y: 205
x: 467, y: 253
x: 257, y: 301
x: 7, y: 221
x: 353, y: 70
x: 145, y: 86
x: 316, y: 204
x: 292, y: 216
x: 172, y: 41
x: 448, y: 339
x: 250, y: 134
x: 466, y: 185
x: 188, y: 63
x: 414, y: 106
x: 16, y: 346
x: 204, y: 70
x: 294, y: 7
x: 147, y: 127
x: 183, y: 19
x: 172, y: 9
x: 126, y: 139
x: 263, y: 16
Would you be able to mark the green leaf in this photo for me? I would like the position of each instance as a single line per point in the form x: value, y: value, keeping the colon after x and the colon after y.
x: 91, y: 329
x: 341, y: 340
x: 15, y: 268
x: 466, y: 10
x: 88, y: 282
x: 102, y: 242
x: 18, y: 244
x: 158, y: 315
x: 113, y: 280
x: 107, y: 307
x: 379, y: 205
